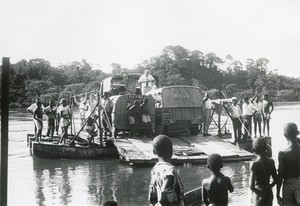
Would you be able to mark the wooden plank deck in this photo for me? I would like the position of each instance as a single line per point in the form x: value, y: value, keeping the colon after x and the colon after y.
x: 187, y: 149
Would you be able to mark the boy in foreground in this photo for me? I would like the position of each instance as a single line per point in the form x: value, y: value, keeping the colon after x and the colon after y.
x: 165, y: 188
x: 260, y: 171
x: 215, y: 188
x: 289, y: 168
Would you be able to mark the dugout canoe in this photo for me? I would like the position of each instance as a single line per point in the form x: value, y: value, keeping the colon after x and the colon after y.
x: 193, y: 197
x: 54, y: 151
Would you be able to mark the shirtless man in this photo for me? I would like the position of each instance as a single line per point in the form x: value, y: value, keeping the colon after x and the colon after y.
x: 267, y: 110
x: 289, y: 168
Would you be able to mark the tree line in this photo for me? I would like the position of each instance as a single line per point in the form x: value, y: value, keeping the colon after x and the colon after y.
x: 174, y: 66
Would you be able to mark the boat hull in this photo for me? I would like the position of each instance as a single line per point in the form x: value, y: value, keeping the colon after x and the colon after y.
x: 193, y: 197
x: 50, y: 150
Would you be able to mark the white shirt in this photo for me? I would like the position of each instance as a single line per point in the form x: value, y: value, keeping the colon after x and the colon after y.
x: 235, y: 111
x: 249, y: 109
x: 146, y: 81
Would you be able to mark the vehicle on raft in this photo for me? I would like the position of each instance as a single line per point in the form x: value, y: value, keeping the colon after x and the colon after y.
x: 124, y: 90
x: 178, y: 109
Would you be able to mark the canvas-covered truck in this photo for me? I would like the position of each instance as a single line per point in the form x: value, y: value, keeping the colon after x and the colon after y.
x: 178, y: 109
x: 124, y: 90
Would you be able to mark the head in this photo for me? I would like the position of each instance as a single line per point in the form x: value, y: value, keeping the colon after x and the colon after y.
x: 136, y: 103
x: 214, y: 162
x: 39, y: 103
x: 63, y: 101
x: 51, y: 103
x: 259, y: 145
x: 206, y: 94
x: 128, y: 103
x: 257, y: 99
x: 145, y: 101
x: 246, y: 100
x: 162, y: 147
x: 291, y: 131
x: 234, y: 100
x: 105, y: 95
x: 147, y: 72
x: 109, y: 203
x: 266, y: 96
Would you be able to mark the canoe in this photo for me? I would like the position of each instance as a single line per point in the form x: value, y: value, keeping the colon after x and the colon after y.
x: 193, y: 197
x: 51, y: 150
x: 31, y: 138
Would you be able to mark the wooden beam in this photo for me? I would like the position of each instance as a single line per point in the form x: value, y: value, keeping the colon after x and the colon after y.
x: 4, y: 130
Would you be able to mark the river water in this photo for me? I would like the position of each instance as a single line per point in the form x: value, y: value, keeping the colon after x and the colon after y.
x: 36, y: 181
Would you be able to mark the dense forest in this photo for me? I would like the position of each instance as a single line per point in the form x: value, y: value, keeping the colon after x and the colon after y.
x: 174, y: 66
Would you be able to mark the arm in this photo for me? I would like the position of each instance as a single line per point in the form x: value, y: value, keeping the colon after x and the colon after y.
x: 75, y: 100
x: 204, y: 194
x: 253, y: 98
x: 152, y: 192
x: 273, y: 174
x: 168, y: 182
x: 280, y: 176
x: 252, y: 177
x: 252, y: 181
x: 230, y: 187
x: 272, y: 107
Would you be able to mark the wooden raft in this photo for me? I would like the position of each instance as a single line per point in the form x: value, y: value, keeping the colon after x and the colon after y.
x: 186, y: 149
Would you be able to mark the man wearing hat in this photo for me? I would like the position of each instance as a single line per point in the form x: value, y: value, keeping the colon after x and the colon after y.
x: 146, y: 81
x: 236, y: 117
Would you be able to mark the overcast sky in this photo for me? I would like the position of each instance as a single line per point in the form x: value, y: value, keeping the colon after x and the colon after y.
x: 128, y: 31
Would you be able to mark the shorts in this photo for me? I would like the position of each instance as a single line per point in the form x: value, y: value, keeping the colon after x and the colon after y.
x: 38, y: 124
x: 64, y: 122
x: 146, y: 118
x: 257, y: 118
x: 291, y: 191
x: 131, y: 120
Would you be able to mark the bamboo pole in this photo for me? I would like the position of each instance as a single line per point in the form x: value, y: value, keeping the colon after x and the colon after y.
x: 4, y: 130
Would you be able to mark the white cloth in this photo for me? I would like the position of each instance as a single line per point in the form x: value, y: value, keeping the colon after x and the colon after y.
x: 249, y: 109
x: 64, y: 113
x: 207, y: 104
x: 146, y: 118
x: 91, y: 105
x: 147, y: 83
x: 82, y: 110
x: 235, y: 111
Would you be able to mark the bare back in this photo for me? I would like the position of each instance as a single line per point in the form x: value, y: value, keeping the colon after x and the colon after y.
x: 215, y: 189
x: 289, y: 162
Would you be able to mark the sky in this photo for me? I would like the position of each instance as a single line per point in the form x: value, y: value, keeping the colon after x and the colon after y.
x: 129, y: 31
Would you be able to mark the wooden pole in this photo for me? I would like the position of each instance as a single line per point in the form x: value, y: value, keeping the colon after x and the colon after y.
x: 219, y: 117
x: 4, y: 130
x: 99, y: 121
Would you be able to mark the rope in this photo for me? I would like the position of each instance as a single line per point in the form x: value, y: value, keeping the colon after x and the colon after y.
x: 238, y: 117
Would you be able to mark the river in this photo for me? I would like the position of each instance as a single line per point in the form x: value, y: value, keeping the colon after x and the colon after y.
x: 36, y: 181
